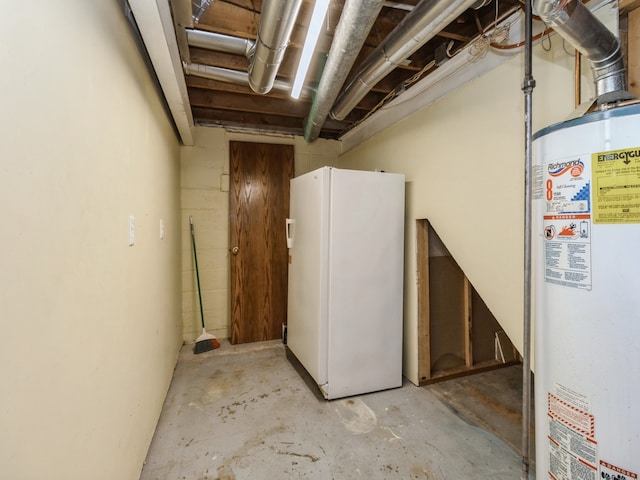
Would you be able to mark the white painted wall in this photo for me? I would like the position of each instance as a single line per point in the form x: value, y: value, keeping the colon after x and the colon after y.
x: 90, y: 327
x: 203, y: 167
x: 463, y: 158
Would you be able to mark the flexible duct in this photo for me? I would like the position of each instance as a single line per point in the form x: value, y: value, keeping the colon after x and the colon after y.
x: 277, y: 20
x: 234, y: 76
x: 576, y: 24
x: 358, y: 16
x: 426, y: 20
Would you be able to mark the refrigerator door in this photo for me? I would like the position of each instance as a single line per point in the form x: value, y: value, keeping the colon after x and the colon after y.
x: 366, y: 265
x: 308, y: 262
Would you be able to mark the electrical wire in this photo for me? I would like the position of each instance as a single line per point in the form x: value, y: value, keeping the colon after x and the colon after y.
x: 500, y: 34
x: 512, y: 46
x: 397, y: 91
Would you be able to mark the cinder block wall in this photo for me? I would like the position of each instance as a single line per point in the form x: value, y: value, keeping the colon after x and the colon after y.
x: 206, y: 198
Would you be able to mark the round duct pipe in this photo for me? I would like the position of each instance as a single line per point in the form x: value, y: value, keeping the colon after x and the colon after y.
x: 277, y: 20
x: 358, y: 16
x: 422, y: 24
x: 575, y: 23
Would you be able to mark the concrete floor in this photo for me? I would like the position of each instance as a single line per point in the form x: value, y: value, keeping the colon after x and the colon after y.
x: 246, y: 413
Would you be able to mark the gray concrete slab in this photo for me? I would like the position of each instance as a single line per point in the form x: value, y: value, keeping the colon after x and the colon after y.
x: 245, y: 413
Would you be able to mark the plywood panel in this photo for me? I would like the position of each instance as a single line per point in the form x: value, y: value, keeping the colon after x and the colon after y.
x: 447, y: 343
x: 456, y: 330
x: 485, y: 327
x: 424, y: 350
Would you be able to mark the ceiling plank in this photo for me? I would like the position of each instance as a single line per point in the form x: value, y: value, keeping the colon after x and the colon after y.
x: 263, y: 123
x: 628, y: 5
x: 263, y: 104
x: 255, y: 104
x: 231, y: 19
x: 209, y: 84
x: 238, y: 62
x: 218, y: 59
x: 453, y: 36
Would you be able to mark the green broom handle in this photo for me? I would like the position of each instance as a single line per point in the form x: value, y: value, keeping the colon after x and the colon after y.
x: 195, y: 260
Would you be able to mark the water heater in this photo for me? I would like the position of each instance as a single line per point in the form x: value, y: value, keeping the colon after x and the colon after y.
x: 586, y: 296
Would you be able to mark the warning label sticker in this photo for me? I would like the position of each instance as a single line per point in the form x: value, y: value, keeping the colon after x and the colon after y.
x: 572, y: 445
x: 616, y: 180
x: 611, y: 472
x: 567, y: 221
x: 572, y: 416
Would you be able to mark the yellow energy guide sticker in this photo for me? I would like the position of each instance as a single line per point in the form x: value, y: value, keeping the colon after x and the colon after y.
x: 616, y: 186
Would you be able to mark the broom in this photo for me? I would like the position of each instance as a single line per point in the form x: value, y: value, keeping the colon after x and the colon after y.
x: 206, y: 341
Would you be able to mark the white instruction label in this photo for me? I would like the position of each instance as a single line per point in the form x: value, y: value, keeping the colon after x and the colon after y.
x: 567, y: 221
x: 572, y: 446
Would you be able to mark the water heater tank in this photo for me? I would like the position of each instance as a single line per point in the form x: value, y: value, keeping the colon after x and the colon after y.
x: 586, y: 296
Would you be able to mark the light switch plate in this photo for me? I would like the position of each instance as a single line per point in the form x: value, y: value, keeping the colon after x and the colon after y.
x: 132, y: 230
x: 224, y: 182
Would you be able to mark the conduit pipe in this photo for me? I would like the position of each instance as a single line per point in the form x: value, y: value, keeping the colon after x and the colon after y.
x: 358, y: 16
x: 575, y: 23
x: 426, y: 20
x: 528, y: 84
x: 234, y: 76
x: 277, y: 20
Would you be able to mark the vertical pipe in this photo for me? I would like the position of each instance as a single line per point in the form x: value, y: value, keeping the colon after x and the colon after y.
x: 578, y: 78
x: 574, y: 22
x: 277, y: 19
x: 528, y: 85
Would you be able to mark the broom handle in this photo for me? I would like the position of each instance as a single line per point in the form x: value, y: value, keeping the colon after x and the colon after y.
x: 195, y: 260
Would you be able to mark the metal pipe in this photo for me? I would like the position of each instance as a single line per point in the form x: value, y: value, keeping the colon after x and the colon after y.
x: 426, y: 20
x: 399, y: 6
x: 528, y: 85
x: 265, y: 55
x: 236, y: 77
x: 277, y: 20
x: 358, y: 16
x: 575, y: 23
x: 577, y: 78
x: 220, y: 42
x: 200, y: 7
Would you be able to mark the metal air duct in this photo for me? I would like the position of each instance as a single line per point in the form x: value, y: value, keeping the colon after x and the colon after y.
x: 575, y: 23
x: 426, y: 20
x: 277, y: 20
x: 236, y: 77
x: 265, y: 55
x: 358, y: 16
x: 220, y: 42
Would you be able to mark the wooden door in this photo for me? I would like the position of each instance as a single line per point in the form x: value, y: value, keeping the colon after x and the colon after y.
x: 258, y: 207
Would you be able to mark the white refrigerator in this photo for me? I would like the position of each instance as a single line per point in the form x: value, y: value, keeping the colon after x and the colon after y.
x: 346, y: 261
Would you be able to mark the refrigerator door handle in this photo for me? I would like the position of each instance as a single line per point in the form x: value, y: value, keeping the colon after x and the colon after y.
x: 289, y: 223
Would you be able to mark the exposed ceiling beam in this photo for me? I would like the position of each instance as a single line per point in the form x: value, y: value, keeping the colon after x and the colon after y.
x: 156, y: 28
x: 399, y: 6
x: 628, y: 5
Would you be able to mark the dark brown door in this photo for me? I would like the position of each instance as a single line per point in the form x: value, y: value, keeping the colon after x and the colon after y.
x: 258, y: 208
